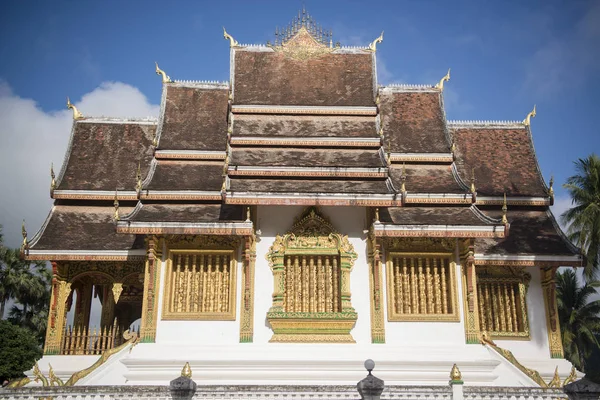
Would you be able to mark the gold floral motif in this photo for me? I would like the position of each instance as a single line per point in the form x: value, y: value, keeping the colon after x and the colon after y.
x: 303, y: 46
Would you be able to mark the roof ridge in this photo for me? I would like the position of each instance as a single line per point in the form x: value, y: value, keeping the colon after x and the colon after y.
x: 133, y: 213
x: 484, y: 218
x: 104, y: 118
x: 486, y: 123
x: 203, y: 81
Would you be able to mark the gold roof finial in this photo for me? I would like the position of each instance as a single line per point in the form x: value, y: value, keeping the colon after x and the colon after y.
x: 116, y: 217
x: 186, y: 372
x: 551, y: 188
x: 76, y: 113
x: 446, y: 78
x: 232, y: 41
x: 572, y: 377
x: 165, y: 78
x: 473, y: 189
x: 555, y: 382
x: 455, y: 375
x: 453, y: 148
x: 248, y: 219
x: 376, y: 214
x: 52, y: 177
x: 373, y: 45
x: 155, y: 139
x: 532, y: 114
x: 138, y: 179
x: 24, y: 234
x: 504, y: 211
x: 403, y: 187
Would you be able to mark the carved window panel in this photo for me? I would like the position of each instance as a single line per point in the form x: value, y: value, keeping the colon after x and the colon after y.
x: 502, y: 304
x: 312, y: 283
x: 421, y: 287
x: 200, y: 285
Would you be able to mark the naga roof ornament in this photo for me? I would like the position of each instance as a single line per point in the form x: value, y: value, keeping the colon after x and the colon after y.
x: 24, y: 234
x: 373, y: 45
x: 504, y: 211
x: 116, y: 216
x: 165, y: 78
x: 440, y: 84
x: 532, y: 114
x: 52, y: 178
x: 232, y: 41
x: 76, y: 113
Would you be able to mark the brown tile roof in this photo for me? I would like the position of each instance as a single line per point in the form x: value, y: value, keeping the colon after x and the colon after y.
x: 155, y: 212
x: 308, y: 186
x: 194, y: 119
x: 271, y: 78
x: 413, y: 122
x: 105, y: 156
x: 431, y: 216
x: 426, y: 178
x: 303, y: 126
x: 504, y: 161
x: 84, y: 228
x: 531, y: 233
x: 186, y: 175
x: 306, y: 157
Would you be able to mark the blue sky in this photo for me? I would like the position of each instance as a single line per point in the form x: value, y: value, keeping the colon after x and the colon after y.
x: 505, y: 57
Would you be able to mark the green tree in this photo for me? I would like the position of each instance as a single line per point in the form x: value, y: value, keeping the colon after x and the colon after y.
x: 19, y: 350
x: 583, y: 219
x: 579, y: 318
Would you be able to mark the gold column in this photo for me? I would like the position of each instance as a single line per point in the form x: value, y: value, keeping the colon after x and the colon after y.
x: 57, y: 314
x: 472, y: 328
x: 552, y: 322
x: 151, y: 289
x: 247, y: 312
x: 375, y: 284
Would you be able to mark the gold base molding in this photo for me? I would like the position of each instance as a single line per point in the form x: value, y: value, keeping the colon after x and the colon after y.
x: 312, y: 327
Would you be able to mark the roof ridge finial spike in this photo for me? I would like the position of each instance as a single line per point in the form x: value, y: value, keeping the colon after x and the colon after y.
x: 446, y: 78
x: 165, y: 78
x: 52, y: 177
x: 551, y: 188
x: 24, y: 234
x: 473, y: 189
x: 232, y: 41
x: 532, y: 114
x: 116, y: 217
x: 504, y: 211
x: 373, y: 45
x: 76, y: 113
x: 403, y: 177
x: 138, y: 179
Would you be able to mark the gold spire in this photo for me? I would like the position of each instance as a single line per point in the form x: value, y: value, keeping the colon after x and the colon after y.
x: 473, y: 189
x: 165, y: 78
x: 138, y: 179
x: 446, y: 78
x: 52, y: 177
x: 504, y: 211
x: 373, y: 45
x: 232, y: 41
x: 248, y: 219
x: 532, y: 114
x: 551, y: 188
x: 76, y: 113
x: 24, y: 233
x: 376, y: 214
x: 455, y: 375
x: 186, y: 372
x: 116, y: 217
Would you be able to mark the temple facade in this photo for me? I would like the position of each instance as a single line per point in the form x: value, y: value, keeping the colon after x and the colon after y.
x: 284, y: 226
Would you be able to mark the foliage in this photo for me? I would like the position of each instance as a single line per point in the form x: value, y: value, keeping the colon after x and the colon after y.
x: 579, y: 318
x: 584, y: 218
x: 19, y: 349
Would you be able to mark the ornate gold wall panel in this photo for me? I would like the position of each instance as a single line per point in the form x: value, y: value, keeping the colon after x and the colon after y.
x: 57, y: 315
x: 247, y: 311
x: 502, y: 299
x: 469, y: 287
x: 375, y: 287
x: 552, y: 322
x: 200, y: 285
x: 311, y: 267
x: 421, y: 287
x: 151, y: 288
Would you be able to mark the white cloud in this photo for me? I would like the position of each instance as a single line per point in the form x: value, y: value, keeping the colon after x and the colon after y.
x: 32, y: 138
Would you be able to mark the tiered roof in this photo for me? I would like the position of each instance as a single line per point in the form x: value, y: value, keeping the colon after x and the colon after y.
x: 302, y: 122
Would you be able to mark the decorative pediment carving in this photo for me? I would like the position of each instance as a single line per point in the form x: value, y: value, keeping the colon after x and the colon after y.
x: 209, y: 242
x: 420, y: 244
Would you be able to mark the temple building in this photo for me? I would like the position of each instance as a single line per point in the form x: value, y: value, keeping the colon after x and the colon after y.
x: 284, y: 226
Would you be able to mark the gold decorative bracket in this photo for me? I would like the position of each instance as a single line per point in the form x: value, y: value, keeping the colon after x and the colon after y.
x: 532, y: 114
x: 76, y: 113
x: 440, y: 84
x: 165, y: 78
x: 373, y: 45
x: 117, y: 289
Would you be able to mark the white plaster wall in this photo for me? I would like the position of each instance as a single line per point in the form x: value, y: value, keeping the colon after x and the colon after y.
x: 196, y: 332
x: 537, y: 346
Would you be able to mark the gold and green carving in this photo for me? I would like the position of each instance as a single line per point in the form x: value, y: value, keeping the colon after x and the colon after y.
x: 247, y: 311
x: 552, y: 322
x: 311, y: 267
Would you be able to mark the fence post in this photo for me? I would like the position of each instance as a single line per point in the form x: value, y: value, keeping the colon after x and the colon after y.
x: 456, y: 383
x: 183, y: 388
x: 371, y: 387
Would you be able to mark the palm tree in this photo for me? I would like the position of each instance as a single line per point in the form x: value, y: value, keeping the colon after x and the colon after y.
x: 584, y: 219
x: 579, y: 319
